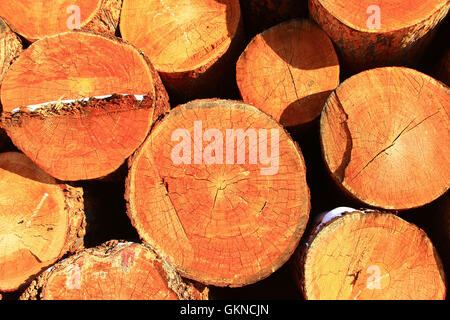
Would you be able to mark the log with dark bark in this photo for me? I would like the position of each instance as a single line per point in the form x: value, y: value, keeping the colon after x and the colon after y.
x: 370, y: 33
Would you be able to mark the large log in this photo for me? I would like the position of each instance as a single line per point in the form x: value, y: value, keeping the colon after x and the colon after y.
x: 288, y: 72
x: 225, y: 216
x: 384, y: 136
x: 369, y: 255
x: 40, y: 220
x: 374, y: 33
x: 36, y: 19
x: 80, y: 103
x: 192, y: 43
x: 115, y: 270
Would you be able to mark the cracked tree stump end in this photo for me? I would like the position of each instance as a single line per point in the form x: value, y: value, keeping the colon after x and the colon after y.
x: 192, y: 43
x: 369, y: 256
x: 36, y: 19
x: 288, y: 72
x: 78, y: 104
x: 40, y: 220
x: 219, y: 218
x: 374, y: 33
x: 260, y: 15
x: 10, y: 49
x: 112, y: 271
x: 384, y: 135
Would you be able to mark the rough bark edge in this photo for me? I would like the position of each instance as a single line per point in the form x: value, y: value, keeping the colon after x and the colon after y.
x: 302, y: 251
x: 107, y: 18
x: 132, y: 212
x: 183, y: 290
x: 76, y: 229
x: 13, y: 48
x: 77, y: 219
x: 160, y: 100
x: 361, y: 50
x: 349, y: 192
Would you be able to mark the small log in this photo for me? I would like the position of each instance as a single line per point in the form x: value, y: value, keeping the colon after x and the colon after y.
x: 382, y: 135
x: 369, y: 255
x: 288, y: 72
x: 40, y: 220
x: 192, y: 44
x: 112, y: 271
x: 83, y: 107
x: 36, y: 19
x: 374, y: 33
x: 222, y: 217
x: 260, y: 15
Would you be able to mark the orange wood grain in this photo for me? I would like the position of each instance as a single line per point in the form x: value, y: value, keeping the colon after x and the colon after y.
x: 40, y: 220
x: 383, y: 135
x: 221, y: 224
x: 370, y: 256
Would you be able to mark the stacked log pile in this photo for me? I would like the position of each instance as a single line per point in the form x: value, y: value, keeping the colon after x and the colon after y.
x: 193, y: 150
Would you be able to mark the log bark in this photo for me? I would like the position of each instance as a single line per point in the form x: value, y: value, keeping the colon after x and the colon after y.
x: 363, y: 41
x: 192, y: 44
x: 36, y: 19
x: 219, y: 218
x: 40, y: 220
x: 288, y: 72
x: 115, y: 270
x: 260, y: 15
x: 82, y: 107
x: 382, y: 134
x: 10, y: 49
x: 369, y: 255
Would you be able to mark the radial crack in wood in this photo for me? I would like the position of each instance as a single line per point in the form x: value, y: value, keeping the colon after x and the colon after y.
x: 40, y: 220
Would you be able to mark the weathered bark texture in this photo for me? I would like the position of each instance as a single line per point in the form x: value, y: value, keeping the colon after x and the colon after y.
x: 369, y: 255
x: 382, y: 135
x: 112, y: 271
x: 80, y: 108
x: 404, y: 29
x: 217, y: 223
x: 40, y: 220
x: 288, y: 72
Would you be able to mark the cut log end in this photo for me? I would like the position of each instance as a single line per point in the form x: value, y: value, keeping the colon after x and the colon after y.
x: 220, y: 219
x: 40, y: 220
x: 31, y: 18
x: 382, y: 133
x: 113, y: 271
x: 378, y: 33
x: 187, y: 41
x: 288, y: 72
x: 371, y: 255
x: 80, y: 109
